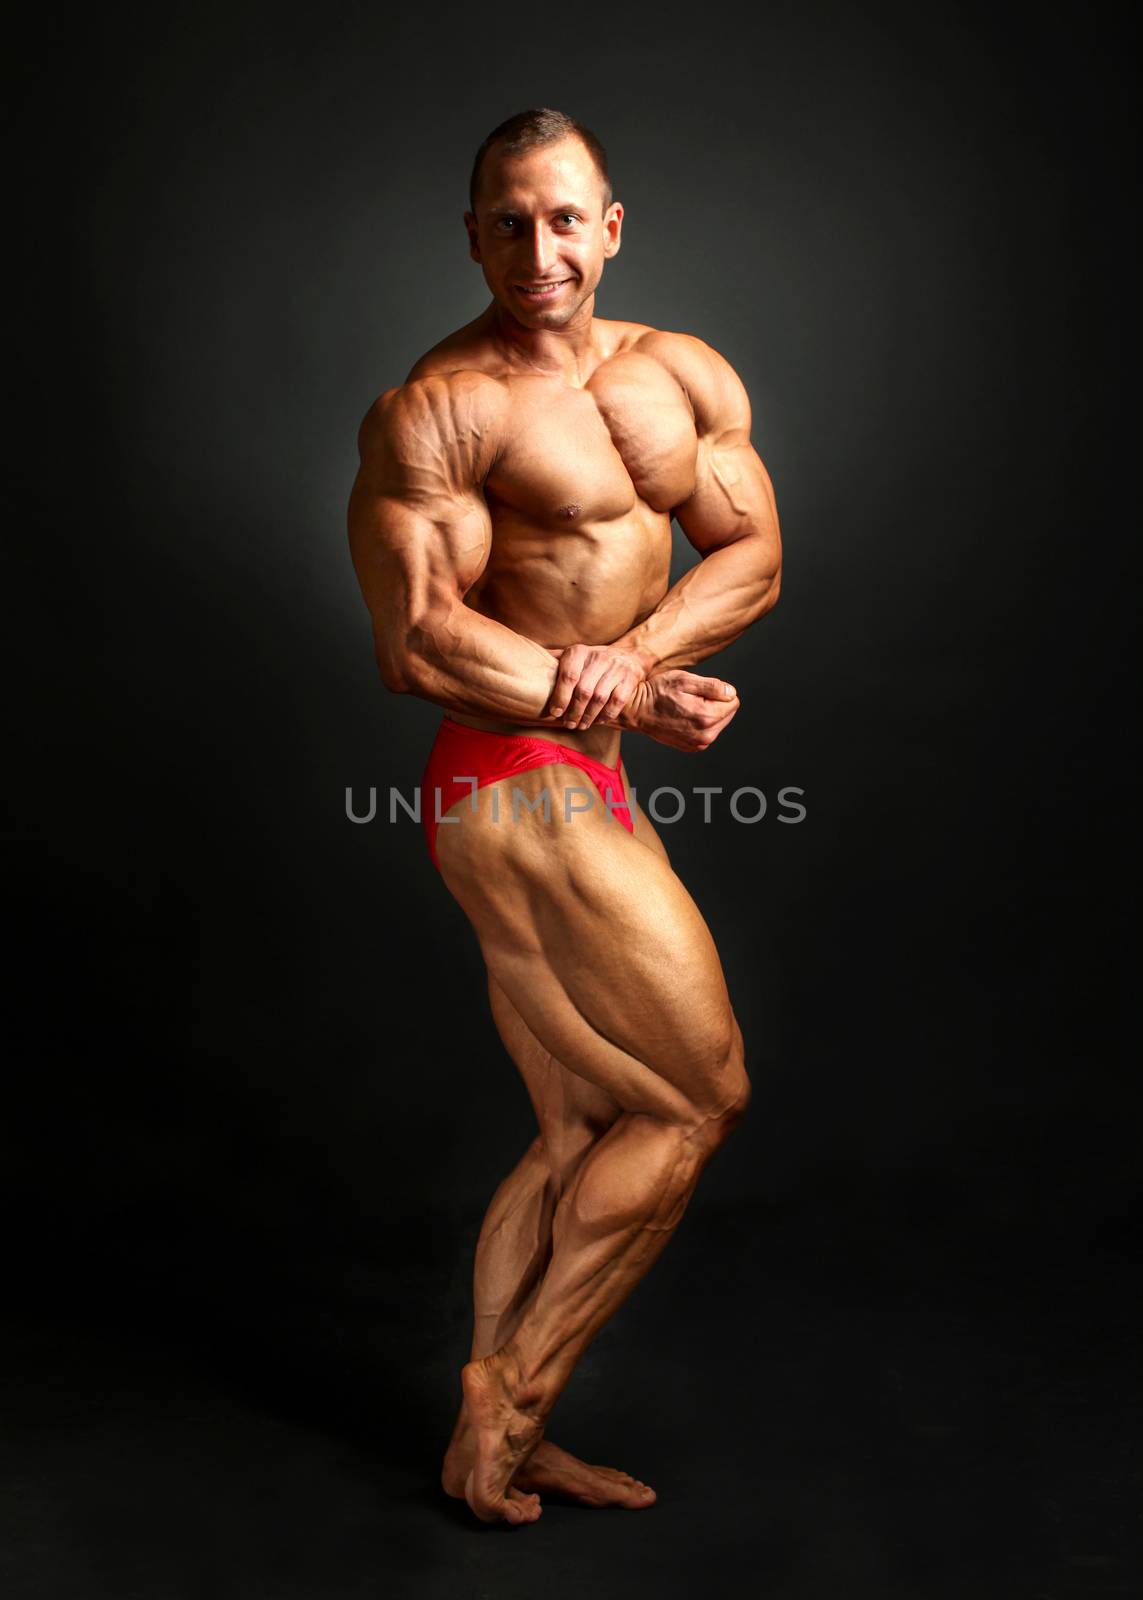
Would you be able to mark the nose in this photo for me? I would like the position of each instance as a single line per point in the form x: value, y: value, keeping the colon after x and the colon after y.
x: 541, y: 252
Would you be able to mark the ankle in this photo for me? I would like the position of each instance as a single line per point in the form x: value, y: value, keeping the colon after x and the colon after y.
x: 525, y: 1379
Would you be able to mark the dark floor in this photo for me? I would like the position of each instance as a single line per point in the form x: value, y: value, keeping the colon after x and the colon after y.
x: 826, y: 1415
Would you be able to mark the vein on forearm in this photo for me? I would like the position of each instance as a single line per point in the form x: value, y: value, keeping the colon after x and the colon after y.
x: 711, y: 605
x: 473, y: 664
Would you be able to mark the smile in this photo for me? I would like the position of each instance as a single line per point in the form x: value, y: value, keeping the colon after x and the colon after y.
x: 539, y: 291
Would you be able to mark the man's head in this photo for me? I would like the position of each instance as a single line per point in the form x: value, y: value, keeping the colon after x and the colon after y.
x: 542, y: 214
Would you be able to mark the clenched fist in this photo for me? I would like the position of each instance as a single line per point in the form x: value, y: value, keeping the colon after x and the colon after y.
x: 681, y: 709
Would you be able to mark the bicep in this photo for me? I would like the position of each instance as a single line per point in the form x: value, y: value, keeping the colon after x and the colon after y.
x: 420, y: 532
x: 733, y: 497
x: 414, y: 552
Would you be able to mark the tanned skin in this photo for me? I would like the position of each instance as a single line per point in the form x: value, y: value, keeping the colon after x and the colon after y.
x: 511, y: 530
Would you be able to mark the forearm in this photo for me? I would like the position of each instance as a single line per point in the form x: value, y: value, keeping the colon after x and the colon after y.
x: 473, y: 665
x: 711, y: 605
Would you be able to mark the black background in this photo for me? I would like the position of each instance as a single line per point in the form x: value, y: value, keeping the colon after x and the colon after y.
x: 257, y: 1104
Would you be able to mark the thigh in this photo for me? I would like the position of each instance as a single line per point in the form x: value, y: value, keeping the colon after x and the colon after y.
x: 600, y: 949
x: 572, y: 1113
x: 645, y: 831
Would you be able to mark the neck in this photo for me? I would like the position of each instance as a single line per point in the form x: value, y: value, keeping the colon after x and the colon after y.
x: 565, y: 352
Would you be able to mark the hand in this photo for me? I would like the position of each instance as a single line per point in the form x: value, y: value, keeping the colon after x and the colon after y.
x: 681, y: 709
x: 594, y: 684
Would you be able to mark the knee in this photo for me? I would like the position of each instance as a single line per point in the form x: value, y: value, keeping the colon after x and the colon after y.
x: 736, y: 1110
x: 736, y: 1097
x: 565, y: 1148
x: 719, y: 1125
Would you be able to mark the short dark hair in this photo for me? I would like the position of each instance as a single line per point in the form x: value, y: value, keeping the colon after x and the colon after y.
x: 540, y: 126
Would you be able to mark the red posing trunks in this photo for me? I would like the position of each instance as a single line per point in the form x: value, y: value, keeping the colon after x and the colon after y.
x: 461, y: 753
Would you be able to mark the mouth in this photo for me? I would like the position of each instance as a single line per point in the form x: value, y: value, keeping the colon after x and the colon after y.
x: 537, y: 293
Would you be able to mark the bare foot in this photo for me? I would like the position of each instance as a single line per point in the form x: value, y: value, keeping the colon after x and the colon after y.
x: 506, y: 1428
x: 553, y: 1471
x: 549, y: 1470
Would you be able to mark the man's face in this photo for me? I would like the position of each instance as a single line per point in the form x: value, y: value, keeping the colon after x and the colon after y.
x: 540, y: 232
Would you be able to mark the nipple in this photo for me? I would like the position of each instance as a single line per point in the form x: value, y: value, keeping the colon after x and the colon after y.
x: 569, y: 511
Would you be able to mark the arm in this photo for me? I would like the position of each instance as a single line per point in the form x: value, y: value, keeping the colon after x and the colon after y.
x: 730, y: 519
x: 420, y: 535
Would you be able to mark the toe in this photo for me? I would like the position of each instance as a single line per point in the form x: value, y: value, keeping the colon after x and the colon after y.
x: 628, y: 1491
x: 521, y: 1507
x: 489, y: 1507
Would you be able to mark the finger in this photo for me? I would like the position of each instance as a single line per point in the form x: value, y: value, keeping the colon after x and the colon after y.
x: 709, y: 688
x: 718, y: 724
x: 624, y: 705
x: 583, y: 692
x: 617, y: 702
x: 715, y: 689
x: 690, y: 707
x: 700, y: 721
x: 718, y: 714
x: 571, y: 664
x: 609, y: 682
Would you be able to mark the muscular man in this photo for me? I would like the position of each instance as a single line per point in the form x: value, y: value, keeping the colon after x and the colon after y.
x: 511, y: 530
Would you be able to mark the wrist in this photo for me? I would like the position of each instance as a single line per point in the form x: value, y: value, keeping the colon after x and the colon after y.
x: 646, y: 658
x: 629, y: 718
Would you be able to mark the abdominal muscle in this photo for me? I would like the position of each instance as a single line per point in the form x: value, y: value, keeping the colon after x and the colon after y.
x: 559, y: 587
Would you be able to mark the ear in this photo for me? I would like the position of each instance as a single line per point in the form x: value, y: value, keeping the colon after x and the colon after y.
x: 473, y: 238
x: 612, y: 228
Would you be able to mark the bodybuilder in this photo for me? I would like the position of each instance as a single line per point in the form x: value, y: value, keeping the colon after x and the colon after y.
x: 511, y: 530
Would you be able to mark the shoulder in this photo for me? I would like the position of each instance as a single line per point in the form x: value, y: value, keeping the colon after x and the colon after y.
x: 715, y: 391
x: 465, y: 350
x: 454, y: 416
